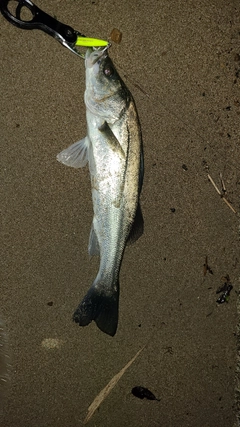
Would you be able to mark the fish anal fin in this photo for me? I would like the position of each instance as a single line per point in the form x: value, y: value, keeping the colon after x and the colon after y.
x: 93, y: 245
x: 137, y: 227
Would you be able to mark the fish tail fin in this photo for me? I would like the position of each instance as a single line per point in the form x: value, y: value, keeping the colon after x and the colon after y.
x: 100, y: 306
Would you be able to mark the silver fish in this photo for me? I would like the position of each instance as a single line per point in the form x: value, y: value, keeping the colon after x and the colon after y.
x: 113, y: 150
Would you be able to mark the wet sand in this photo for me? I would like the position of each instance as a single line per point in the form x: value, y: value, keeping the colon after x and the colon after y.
x: 181, y: 62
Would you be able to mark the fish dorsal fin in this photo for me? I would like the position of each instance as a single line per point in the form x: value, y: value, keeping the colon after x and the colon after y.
x: 76, y: 155
x: 111, y: 139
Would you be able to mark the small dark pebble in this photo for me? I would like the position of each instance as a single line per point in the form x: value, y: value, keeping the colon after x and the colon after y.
x: 50, y: 303
x: 226, y: 289
x: 173, y: 210
x: 142, y: 392
x: 222, y: 299
x: 185, y: 167
x: 222, y: 288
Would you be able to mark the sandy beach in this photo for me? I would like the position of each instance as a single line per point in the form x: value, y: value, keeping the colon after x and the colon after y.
x: 181, y: 62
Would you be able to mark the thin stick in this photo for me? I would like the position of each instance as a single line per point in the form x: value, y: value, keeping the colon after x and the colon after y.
x: 108, y: 388
x: 215, y: 186
x: 220, y: 194
x: 229, y: 205
x: 223, y: 185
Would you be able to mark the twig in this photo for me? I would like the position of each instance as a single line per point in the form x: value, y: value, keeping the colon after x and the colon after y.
x: 108, y: 388
x: 229, y: 204
x: 222, y: 194
x: 215, y: 186
x: 223, y: 185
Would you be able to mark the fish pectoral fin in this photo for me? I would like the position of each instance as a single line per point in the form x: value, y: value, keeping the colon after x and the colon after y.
x: 137, y: 227
x: 93, y: 245
x: 76, y: 155
x: 111, y: 139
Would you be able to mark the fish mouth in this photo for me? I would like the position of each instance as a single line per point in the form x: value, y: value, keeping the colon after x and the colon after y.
x: 94, y: 55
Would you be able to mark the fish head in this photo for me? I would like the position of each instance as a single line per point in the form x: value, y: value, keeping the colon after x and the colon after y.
x: 106, y: 94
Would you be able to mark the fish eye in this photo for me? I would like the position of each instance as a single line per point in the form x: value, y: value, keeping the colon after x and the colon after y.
x: 108, y: 71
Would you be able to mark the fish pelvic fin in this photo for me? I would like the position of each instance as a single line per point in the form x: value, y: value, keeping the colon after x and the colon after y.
x: 101, y: 307
x: 76, y: 155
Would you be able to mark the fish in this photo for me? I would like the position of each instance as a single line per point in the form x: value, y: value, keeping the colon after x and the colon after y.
x: 113, y: 150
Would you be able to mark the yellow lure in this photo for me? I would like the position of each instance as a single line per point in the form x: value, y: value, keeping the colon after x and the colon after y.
x: 89, y: 42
